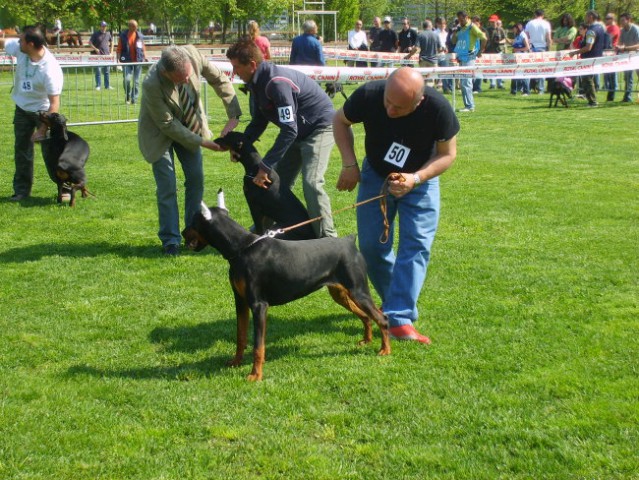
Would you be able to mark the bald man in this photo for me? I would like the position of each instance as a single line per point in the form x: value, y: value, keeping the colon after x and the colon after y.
x: 410, y: 130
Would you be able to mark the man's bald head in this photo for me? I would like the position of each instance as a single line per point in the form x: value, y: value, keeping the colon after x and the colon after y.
x: 404, y: 92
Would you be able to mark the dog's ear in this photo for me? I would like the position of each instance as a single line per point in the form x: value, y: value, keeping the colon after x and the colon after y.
x: 206, y: 213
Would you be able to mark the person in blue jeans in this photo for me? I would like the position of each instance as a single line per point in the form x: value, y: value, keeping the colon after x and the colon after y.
x: 469, y: 42
x: 411, y: 139
x: 172, y: 123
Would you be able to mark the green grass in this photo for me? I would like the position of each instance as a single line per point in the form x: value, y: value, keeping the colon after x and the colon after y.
x: 112, y: 358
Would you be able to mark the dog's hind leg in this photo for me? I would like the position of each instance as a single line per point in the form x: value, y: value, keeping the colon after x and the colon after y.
x: 363, y: 306
x: 242, y: 313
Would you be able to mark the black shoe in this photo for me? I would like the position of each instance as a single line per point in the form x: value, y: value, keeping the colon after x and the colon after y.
x: 172, y: 250
x: 18, y: 197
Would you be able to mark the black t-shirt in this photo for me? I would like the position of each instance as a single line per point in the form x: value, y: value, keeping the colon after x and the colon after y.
x: 387, y: 40
x: 401, y: 144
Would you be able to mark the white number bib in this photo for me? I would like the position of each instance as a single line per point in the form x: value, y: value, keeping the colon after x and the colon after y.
x: 285, y: 114
x: 397, y: 154
x: 26, y: 86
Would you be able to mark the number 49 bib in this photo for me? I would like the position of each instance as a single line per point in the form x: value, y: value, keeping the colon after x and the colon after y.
x: 397, y: 154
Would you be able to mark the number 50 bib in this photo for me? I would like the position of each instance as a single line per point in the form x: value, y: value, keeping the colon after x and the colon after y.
x: 397, y: 154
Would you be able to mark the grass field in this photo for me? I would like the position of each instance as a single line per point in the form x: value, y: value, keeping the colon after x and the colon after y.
x: 112, y: 357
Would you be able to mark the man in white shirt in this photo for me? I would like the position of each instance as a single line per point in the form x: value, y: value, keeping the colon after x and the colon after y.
x: 37, y: 85
x: 357, y: 40
x: 540, y: 33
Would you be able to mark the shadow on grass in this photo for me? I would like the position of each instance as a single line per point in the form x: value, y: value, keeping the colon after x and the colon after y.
x: 190, y: 339
x: 84, y: 250
x: 31, y: 202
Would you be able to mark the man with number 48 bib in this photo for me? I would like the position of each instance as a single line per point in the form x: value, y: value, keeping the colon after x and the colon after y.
x: 303, y: 112
x: 410, y: 135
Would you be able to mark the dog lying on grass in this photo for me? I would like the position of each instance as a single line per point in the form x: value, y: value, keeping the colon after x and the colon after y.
x: 266, y: 271
x: 70, y: 152
x: 267, y: 205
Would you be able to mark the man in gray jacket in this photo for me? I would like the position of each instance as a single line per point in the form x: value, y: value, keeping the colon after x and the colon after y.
x: 172, y: 123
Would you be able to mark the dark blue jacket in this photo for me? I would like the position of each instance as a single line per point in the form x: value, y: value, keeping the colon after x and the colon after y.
x: 125, y: 54
x: 598, y: 47
x: 295, y: 103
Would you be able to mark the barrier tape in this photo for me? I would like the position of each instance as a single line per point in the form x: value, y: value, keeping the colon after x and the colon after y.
x: 525, y: 65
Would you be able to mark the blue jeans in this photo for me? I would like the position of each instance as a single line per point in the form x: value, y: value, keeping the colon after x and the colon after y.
x: 398, y: 277
x: 541, y: 82
x: 132, y: 81
x: 106, y: 73
x: 166, y: 190
x: 466, y: 86
x: 447, y: 83
x: 310, y: 156
x: 610, y: 84
x: 630, y: 82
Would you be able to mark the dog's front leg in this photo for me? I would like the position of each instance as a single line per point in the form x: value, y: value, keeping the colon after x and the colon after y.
x: 242, y: 314
x: 259, y: 333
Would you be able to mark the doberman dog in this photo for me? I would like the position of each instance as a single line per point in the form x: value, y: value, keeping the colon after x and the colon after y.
x: 69, y: 152
x: 277, y: 203
x: 266, y: 271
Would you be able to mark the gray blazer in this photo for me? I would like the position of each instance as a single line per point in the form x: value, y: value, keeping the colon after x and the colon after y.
x: 160, y: 120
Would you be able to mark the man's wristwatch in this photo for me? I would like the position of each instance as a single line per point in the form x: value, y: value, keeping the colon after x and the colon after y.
x: 416, y: 179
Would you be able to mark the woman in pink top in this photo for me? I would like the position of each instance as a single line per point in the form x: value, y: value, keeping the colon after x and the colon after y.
x: 262, y: 42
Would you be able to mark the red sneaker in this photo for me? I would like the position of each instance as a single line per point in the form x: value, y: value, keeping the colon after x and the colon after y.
x: 408, y: 332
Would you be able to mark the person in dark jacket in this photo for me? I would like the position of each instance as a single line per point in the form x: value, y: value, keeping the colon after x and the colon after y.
x: 131, y: 49
x: 302, y: 111
x: 592, y: 47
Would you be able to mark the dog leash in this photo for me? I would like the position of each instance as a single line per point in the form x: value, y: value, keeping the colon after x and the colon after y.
x: 382, y: 206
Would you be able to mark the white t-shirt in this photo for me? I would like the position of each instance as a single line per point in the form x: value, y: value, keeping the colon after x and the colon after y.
x: 34, y: 82
x: 356, y: 39
x: 537, y: 30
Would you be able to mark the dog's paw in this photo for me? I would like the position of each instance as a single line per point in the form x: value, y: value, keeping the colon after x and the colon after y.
x: 254, y: 377
x: 234, y: 362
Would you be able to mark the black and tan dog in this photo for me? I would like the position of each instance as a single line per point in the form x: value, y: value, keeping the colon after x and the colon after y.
x: 267, y: 205
x: 266, y: 271
x: 68, y: 152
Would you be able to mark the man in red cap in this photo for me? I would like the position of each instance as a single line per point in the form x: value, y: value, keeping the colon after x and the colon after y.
x: 495, y: 44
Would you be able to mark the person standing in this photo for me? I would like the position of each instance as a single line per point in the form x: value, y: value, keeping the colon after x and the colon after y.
x: 172, y: 122
x: 37, y: 86
x: 407, y: 37
x: 410, y: 134
x: 520, y: 45
x: 260, y: 40
x: 610, y: 79
x: 566, y: 33
x: 442, y: 59
x: 593, y: 47
x: 357, y: 41
x: 303, y: 113
x: 102, y: 43
x: 428, y: 46
x: 131, y: 49
x: 306, y: 48
x: 373, y: 34
x: 388, y: 40
x: 540, y: 33
x: 628, y: 42
x: 469, y: 42
x: 495, y: 44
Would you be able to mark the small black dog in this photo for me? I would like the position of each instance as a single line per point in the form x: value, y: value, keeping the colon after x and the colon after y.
x: 333, y: 88
x: 265, y: 271
x: 561, y: 90
x: 70, y: 152
x: 273, y: 204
